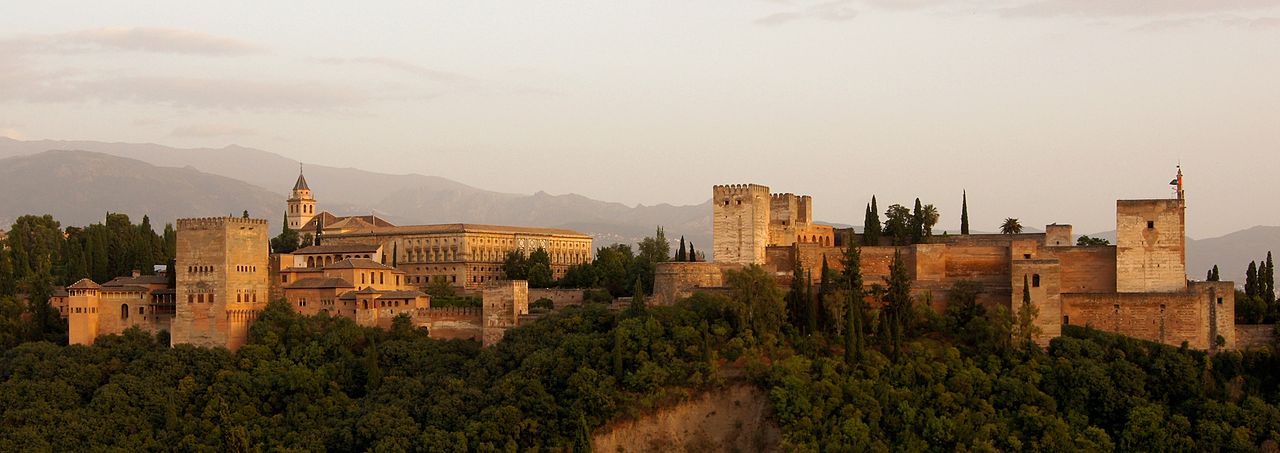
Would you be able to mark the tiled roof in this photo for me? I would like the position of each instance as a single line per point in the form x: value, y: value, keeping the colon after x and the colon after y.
x: 84, y: 283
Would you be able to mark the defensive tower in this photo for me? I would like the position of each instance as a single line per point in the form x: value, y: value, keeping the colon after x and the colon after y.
x: 740, y: 223
x: 1151, y: 253
x: 222, y: 280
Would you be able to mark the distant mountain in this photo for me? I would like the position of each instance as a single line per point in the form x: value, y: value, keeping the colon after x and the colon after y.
x: 79, y: 188
x: 1232, y: 252
x: 404, y: 199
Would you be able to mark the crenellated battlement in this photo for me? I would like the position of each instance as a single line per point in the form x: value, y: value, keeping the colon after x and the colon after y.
x: 217, y: 222
x: 739, y: 190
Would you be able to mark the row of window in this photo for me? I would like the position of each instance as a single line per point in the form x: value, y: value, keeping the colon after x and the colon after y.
x: 305, y: 209
x: 199, y: 269
x: 246, y: 268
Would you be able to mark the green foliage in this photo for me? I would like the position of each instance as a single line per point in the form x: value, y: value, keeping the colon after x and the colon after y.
x: 288, y: 240
x: 543, y: 304
x: 1010, y: 226
x: 898, y: 224
x: 964, y: 212
x: 871, y: 224
x: 898, y: 312
x: 1086, y: 241
x: 756, y: 301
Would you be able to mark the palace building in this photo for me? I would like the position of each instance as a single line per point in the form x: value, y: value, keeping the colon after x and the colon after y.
x: 462, y: 254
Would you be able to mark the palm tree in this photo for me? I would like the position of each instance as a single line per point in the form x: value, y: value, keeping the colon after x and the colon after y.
x: 930, y: 218
x: 1010, y: 226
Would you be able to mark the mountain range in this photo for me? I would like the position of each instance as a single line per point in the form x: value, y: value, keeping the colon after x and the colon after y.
x: 78, y: 182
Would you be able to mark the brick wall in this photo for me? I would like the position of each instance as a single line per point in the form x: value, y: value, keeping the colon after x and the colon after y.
x: 1150, y: 246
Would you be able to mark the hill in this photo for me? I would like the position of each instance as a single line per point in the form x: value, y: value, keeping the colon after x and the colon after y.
x: 79, y: 188
x: 404, y: 199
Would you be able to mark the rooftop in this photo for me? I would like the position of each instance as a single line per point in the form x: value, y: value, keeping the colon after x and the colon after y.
x: 337, y: 248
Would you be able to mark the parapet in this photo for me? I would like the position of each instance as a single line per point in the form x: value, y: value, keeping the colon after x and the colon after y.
x: 217, y: 222
x: 739, y: 189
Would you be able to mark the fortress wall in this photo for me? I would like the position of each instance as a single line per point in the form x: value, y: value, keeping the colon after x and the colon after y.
x: 560, y: 298
x: 987, y: 240
x: 504, y: 302
x: 740, y: 223
x: 1168, y: 318
x: 677, y: 280
x: 1087, y: 269
x: 1254, y: 336
x: 454, y: 323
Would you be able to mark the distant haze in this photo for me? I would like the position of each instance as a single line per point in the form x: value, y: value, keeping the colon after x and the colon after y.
x: 1044, y: 110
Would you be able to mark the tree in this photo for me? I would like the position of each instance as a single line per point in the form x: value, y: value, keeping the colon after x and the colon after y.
x: 1026, y: 329
x: 319, y: 230
x: 1251, y: 280
x: 797, y: 302
x: 756, y: 301
x: 681, y: 255
x: 638, y: 305
x: 515, y: 266
x: 897, y: 224
x: 916, y: 224
x: 855, y: 307
x: 871, y: 225
x: 897, y: 298
x: 245, y: 215
x: 964, y: 212
x: 1010, y: 226
x: 1213, y: 274
x: 287, y: 241
x: 1268, y: 280
x: 656, y: 249
x: 693, y: 254
x: 929, y: 218
x: 1086, y: 241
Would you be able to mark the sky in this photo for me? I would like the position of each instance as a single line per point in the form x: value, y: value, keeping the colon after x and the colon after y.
x: 1043, y: 110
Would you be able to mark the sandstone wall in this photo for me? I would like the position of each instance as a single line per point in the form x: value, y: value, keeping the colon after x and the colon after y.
x: 560, y: 298
x: 504, y: 302
x: 454, y: 323
x: 677, y: 280
x: 1150, y: 246
x: 1087, y: 269
x: 1251, y: 336
x: 1041, y: 278
x: 740, y: 223
x: 1194, y: 315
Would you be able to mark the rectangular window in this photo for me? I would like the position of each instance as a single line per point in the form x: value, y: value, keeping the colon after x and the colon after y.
x: 1150, y: 224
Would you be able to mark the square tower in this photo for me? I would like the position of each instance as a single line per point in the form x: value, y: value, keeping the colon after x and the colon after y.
x: 222, y: 278
x: 1151, y: 246
x: 740, y: 223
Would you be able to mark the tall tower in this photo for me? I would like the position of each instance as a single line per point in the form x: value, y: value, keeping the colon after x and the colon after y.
x: 222, y: 280
x: 302, y: 207
x: 82, y: 312
x: 1151, y: 246
x: 740, y: 223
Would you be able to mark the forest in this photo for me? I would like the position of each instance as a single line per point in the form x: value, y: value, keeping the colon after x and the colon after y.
x: 841, y: 374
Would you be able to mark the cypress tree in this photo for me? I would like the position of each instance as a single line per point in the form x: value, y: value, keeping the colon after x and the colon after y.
x: 1269, y: 281
x: 964, y: 212
x: 917, y: 223
x: 619, y: 347
x: 871, y: 226
x: 1251, y: 280
x: 854, y: 339
x: 693, y: 254
x: 796, y: 301
x: 637, y: 307
x: 319, y: 230
x: 680, y: 254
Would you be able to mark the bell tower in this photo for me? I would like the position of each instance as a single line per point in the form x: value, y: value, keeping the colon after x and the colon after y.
x: 302, y: 207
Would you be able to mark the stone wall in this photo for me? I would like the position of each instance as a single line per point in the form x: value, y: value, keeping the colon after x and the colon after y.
x: 1087, y: 269
x: 1253, y: 336
x: 673, y: 281
x: 1041, y: 278
x: 560, y: 298
x: 504, y: 302
x: 1197, y: 315
x: 454, y: 323
x: 740, y: 223
x: 1150, y: 246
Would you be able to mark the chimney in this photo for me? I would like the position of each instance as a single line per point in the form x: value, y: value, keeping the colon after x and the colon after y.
x: 137, y: 273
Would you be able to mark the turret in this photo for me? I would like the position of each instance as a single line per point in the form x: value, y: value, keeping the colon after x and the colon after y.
x: 301, y: 206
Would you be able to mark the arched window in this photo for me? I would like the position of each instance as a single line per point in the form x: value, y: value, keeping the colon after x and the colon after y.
x: 124, y: 311
x: 1035, y: 281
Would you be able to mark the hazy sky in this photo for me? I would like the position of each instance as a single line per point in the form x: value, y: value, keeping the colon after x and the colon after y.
x: 1046, y: 110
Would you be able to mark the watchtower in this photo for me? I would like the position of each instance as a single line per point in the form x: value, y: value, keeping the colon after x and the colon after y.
x: 222, y: 280
x: 740, y: 223
x: 82, y: 312
x: 1151, y: 252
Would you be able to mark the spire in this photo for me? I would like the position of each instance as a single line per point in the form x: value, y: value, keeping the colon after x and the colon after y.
x: 302, y: 182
